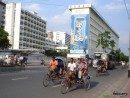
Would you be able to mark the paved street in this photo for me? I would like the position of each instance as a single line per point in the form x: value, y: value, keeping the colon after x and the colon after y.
x: 28, y: 84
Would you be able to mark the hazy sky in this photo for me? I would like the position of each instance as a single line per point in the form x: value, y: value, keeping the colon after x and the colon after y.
x: 57, y: 15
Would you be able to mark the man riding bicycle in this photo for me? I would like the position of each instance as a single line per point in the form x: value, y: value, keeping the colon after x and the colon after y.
x: 53, y: 65
x: 71, y: 68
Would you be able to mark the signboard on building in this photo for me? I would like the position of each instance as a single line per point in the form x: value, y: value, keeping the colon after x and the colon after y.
x: 79, y: 33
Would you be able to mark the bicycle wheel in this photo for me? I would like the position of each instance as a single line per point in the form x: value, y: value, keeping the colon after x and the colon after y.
x: 64, y: 87
x: 87, y: 83
x: 46, y: 80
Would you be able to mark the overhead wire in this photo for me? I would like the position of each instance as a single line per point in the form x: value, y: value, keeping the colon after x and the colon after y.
x: 126, y: 9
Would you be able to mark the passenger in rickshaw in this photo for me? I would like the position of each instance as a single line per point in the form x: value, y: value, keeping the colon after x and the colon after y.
x: 60, y: 66
x: 82, y: 69
x: 102, y: 65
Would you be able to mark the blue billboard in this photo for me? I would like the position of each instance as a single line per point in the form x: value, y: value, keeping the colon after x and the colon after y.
x: 79, y: 33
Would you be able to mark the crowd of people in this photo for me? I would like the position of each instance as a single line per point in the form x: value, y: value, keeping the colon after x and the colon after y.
x: 14, y: 60
x: 77, y: 68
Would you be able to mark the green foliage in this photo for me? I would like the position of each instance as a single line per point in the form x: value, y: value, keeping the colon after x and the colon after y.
x: 112, y: 44
x: 117, y: 54
x: 104, y: 39
x: 120, y: 56
x: 55, y: 53
x: 4, y: 41
x: 123, y: 57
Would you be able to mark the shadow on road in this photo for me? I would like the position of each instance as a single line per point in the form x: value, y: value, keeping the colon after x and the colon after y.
x: 81, y: 86
x: 104, y: 74
x: 93, y: 84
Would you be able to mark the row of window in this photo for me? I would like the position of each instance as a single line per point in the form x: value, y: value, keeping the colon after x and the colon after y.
x: 22, y: 46
x: 33, y: 37
x: 34, y: 30
x: 32, y: 24
x: 32, y: 21
x: 40, y: 40
x: 30, y: 15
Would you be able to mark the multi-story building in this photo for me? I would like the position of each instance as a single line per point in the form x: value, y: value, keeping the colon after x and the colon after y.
x: 26, y: 29
x: 86, y: 25
x: 2, y: 13
x: 61, y: 38
x: 50, y: 44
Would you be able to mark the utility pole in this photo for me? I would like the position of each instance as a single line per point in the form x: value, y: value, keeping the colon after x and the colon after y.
x: 129, y: 58
x: 129, y: 53
x: 129, y: 39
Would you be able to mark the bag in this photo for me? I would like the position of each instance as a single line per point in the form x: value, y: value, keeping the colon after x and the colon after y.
x: 79, y: 74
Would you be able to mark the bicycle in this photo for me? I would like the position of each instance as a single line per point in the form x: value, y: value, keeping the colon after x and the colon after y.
x: 67, y: 83
x: 51, y: 77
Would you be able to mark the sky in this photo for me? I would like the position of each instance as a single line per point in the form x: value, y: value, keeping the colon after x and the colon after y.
x: 57, y: 15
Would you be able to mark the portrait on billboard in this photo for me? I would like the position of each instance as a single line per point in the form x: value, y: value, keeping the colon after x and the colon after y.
x: 79, y: 31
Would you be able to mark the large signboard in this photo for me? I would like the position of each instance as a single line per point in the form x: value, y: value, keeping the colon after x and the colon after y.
x: 79, y: 34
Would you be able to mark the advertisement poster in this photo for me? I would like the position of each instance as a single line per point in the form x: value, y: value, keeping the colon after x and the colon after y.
x: 79, y: 33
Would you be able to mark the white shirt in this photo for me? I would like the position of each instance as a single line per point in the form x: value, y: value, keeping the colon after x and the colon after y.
x: 72, y: 66
x: 21, y: 57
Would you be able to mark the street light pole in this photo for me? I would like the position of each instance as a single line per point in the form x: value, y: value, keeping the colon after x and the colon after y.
x: 129, y: 55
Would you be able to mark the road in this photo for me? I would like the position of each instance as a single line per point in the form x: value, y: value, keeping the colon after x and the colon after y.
x: 28, y: 84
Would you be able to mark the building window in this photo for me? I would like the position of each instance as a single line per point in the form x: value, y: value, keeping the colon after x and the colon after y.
x: 20, y: 33
x: 24, y: 34
x: 20, y: 38
x: 24, y: 39
x: 21, y: 23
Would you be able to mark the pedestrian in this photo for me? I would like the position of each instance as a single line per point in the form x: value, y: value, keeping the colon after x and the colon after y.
x: 25, y: 59
x: 21, y: 59
x: 15, y: 60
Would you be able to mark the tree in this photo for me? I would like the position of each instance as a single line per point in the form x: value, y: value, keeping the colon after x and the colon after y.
x: 104, y: 39
x: 120, y: 56
x: 112, y: 44
x: 55, y: 53
x: 117, y: 54
x: 4, y: 41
